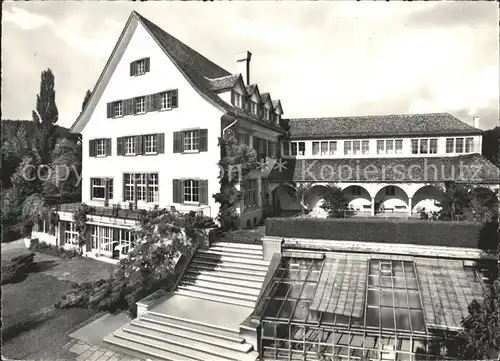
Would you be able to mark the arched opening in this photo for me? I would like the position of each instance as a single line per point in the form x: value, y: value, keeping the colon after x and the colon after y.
x: 314, y: 198
x: 427, y: 199
x: 284, y: 202
x: 357, y: 198
x: 391, y: 199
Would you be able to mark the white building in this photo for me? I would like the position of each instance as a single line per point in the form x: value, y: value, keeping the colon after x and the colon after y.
x: 150, y: 135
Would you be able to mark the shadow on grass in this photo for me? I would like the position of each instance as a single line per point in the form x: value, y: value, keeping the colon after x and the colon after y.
x: 43, y: 266
x: 15, y: 330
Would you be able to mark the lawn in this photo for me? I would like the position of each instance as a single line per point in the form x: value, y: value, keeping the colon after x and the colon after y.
x: 31, y: 327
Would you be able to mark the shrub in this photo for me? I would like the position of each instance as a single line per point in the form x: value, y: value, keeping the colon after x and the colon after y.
x: 15, y: 269
x: 438, y: 233
x: 43, y: 247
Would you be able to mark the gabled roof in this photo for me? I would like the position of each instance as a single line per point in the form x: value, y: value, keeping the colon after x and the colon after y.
x: 264, y: 97
x: 253, y: 88
x: 470, y: 168
x: 380, y: 125
x: 223, y: 83
x: 277, y: 104
x: 197, y: 69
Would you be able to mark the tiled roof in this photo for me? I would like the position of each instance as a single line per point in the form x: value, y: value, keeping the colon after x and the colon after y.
x: 276, y: 103
x: 198, y: 70
x: 473, y: 168
x: 225, y: 82
x: 264, y: 97
x: 379, y: 125
x: 251, y: 88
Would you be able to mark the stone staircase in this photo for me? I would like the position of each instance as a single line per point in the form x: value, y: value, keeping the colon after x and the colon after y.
x: 221, y: 282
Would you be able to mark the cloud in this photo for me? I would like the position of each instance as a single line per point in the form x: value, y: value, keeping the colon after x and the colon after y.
x: 26, y: 20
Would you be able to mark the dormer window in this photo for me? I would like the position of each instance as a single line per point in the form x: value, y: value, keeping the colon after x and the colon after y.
x: 265, y: 113
x: 277, y: 118
x: 253, y: 108
x: 139, y: 67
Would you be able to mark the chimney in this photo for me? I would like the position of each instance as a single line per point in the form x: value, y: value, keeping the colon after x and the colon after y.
x: 475, y: 122
x: 243, y: 65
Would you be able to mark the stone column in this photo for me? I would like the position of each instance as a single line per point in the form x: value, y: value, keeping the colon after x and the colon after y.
x: 373, y: 207
x: 409, y: 206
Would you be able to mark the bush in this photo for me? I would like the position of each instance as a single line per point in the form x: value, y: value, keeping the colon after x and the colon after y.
x: 438, y: 233
x: 17, y: 268
x: 43, y: 247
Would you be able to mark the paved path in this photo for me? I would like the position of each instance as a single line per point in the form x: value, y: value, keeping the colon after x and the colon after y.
x: 87, y: 352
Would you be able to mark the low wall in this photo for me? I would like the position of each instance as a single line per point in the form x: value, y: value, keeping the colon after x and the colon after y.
x: 416, y: 232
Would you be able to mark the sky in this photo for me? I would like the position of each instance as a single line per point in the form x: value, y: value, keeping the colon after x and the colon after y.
x: 321, y: 59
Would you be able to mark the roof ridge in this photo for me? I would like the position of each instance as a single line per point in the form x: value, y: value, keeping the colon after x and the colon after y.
x: 375, y: 116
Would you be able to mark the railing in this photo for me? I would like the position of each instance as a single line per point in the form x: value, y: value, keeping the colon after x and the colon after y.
x: 261, y: 304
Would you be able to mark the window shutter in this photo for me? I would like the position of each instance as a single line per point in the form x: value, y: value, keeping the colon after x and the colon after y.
x: 160, y: 139
x: 175, y: 98
x: 138, y: 144
x: 148, y: 190
x: 119, y: 146
x: 154, y: 101
x: 108, y: 146
x: 91, y: 190
x: 134, y: 106
x: 203, y: 140
x: 203, y: 191
x: 147, y: 103
x: 278, y: 150
x: 177, y: 142
x: 232, y: 97
x: 110, y: 110
x: 129, y: 108
x: 146, y: 61
x: 177, y: 189
x: 132, y: 68
x: 123, y: 189
x: 92, y: 151
x: 106, y: 191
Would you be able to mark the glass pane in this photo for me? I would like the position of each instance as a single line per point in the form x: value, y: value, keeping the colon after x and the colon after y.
x: 414, y: 300
x: 387, y: 317
x: 308, y: 291
x: 373, y: 298
x: 294, y: 291
x: 386, y: 282
x: 300, y: 313
x: 402, y: 319
x: 287, y: 309
x: 399, y: 282
x: 373, y: 281
x: 273, y: 308
x: 281, y: 289
x: 417, y: 320
x: 404, y: 345
x: 268, y: 329
x: 372, y: 317
x: 386, y: 299
x: 411, y: 283
x: 400, y: 299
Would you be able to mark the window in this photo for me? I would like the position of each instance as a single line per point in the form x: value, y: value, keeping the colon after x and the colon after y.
x: 365, y: 147
x: 139, y: 67
x: 250, y: 194
x: 127, y: 241
x: 168, y: 100
x: 140, y: 184
x: 302, y: 148
x: 118, y: 109
x: 98, y: 186
x: 333, y: 148
x: 277, y: 118
x: 424, y: 146
x: 244, y: 139
x: 70, y: 234
x: 389, y: 146
x: 380, y: 147
x: 150, y: 144
x: 286, y: 149
x: 101, y: 147
x: 390, y: 191
x: 191, y: 141
x: 399, y: 146
x: 129, y: 187
x: 140, y: 105
x: 265, y: 113
x: 356, y: 190
x: 347, y: 147
x: 450, y: 145
x: 191, y: 191
x: 253, y: 108
x: 356, y: 147
x: 414, y: 146
x: 324, y: 148
x: 433, y: 146
x: 153, y: 188
x: 469, y: 145
x: 315, y: 148
x: 130, y: 145
x: 459, y: 145
x: 237, y: 100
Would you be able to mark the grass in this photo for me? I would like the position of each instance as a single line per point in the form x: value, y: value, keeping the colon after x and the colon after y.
x: 31, y: 327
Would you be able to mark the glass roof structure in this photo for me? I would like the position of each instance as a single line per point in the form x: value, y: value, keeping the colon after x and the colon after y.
x: 357, y: 308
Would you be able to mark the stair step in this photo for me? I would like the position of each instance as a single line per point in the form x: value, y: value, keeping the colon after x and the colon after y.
x: 235, y: 274
x: 193, y: 335
x: 238, y: 260
x: 232, y: 288
x: 254, y: 252
x: 214, y: 328
x: 161, y: 354
x: 231, y: 253
x: 198, y: 327
x: 180, y: 348
x: 226, y: 264
x: 213, y: 277
x: 218, y: 292
x: 238, y: 245
x: 212, y: 297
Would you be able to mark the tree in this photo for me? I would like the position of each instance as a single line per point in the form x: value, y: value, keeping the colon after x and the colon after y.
x: 45, y: 116
x: 88, y: 94
x: 300, y: 189
x: 13, y: 152
x: 334, y: 203
x: 491, y: 146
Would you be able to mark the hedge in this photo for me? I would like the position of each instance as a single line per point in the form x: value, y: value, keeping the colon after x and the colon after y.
x: 43, y: 247
x: 435, y: 233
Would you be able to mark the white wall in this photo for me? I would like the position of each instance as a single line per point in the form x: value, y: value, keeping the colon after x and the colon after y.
x: 193, y: 112
x: 406, y: 152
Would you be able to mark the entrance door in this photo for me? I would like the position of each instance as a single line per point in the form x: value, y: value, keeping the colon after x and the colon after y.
x: 106, y: 246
